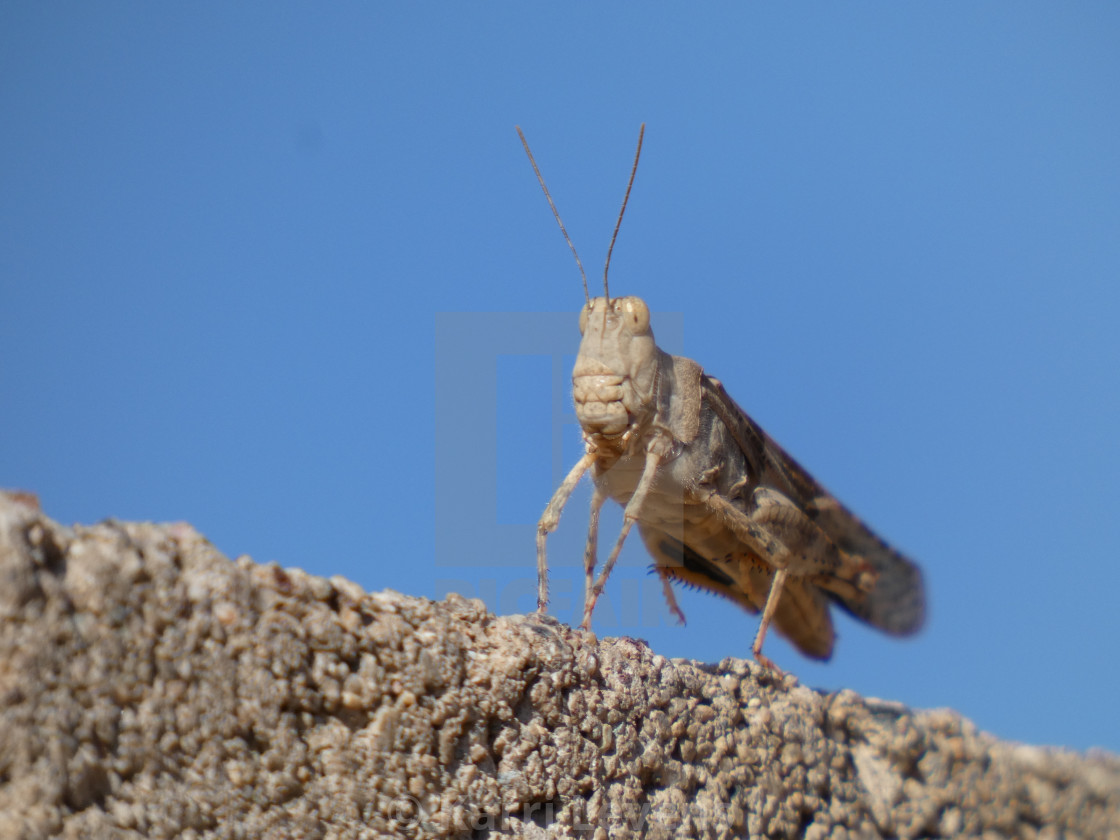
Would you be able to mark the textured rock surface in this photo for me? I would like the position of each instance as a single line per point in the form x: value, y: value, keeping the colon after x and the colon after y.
x: 149, y: 687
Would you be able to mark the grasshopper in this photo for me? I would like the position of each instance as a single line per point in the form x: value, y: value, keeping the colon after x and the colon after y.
x: 718, y: 504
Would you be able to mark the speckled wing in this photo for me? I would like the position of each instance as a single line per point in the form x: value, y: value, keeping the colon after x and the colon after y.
x: 897, y: 603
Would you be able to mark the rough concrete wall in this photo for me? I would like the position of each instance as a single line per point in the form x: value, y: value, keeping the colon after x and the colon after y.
x: 150, y: 687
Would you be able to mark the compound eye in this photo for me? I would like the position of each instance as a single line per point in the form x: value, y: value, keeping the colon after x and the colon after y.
x: 637, y: 314
x: 583, y: 317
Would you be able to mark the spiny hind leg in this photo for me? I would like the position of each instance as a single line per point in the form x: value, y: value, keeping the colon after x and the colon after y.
x: 768, y: 616
x: 779, y: 533
x: 670, y: 596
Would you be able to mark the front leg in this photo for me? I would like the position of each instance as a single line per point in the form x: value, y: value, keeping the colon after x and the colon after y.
x: 629, y: 517
x: 598, y: 497
x: 551, y: 518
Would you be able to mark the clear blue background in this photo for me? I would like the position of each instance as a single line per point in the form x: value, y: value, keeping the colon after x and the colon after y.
x: 893, y: 230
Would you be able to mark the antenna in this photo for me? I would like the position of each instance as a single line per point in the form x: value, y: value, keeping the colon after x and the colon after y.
x: 555, y: 213
x: 618, y: 224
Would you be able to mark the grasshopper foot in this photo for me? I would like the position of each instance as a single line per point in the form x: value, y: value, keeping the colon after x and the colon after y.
x: 768, y: 664
x: 585, y: 625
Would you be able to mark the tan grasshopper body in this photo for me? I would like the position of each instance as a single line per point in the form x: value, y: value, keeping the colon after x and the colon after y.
x: 717, y: 502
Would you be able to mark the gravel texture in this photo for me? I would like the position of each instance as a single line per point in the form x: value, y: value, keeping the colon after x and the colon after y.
x: 150, y: 687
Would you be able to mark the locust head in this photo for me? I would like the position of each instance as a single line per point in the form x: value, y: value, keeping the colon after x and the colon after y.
x: 616, y: 371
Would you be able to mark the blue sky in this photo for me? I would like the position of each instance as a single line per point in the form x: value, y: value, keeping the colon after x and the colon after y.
x: 227, y: 234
